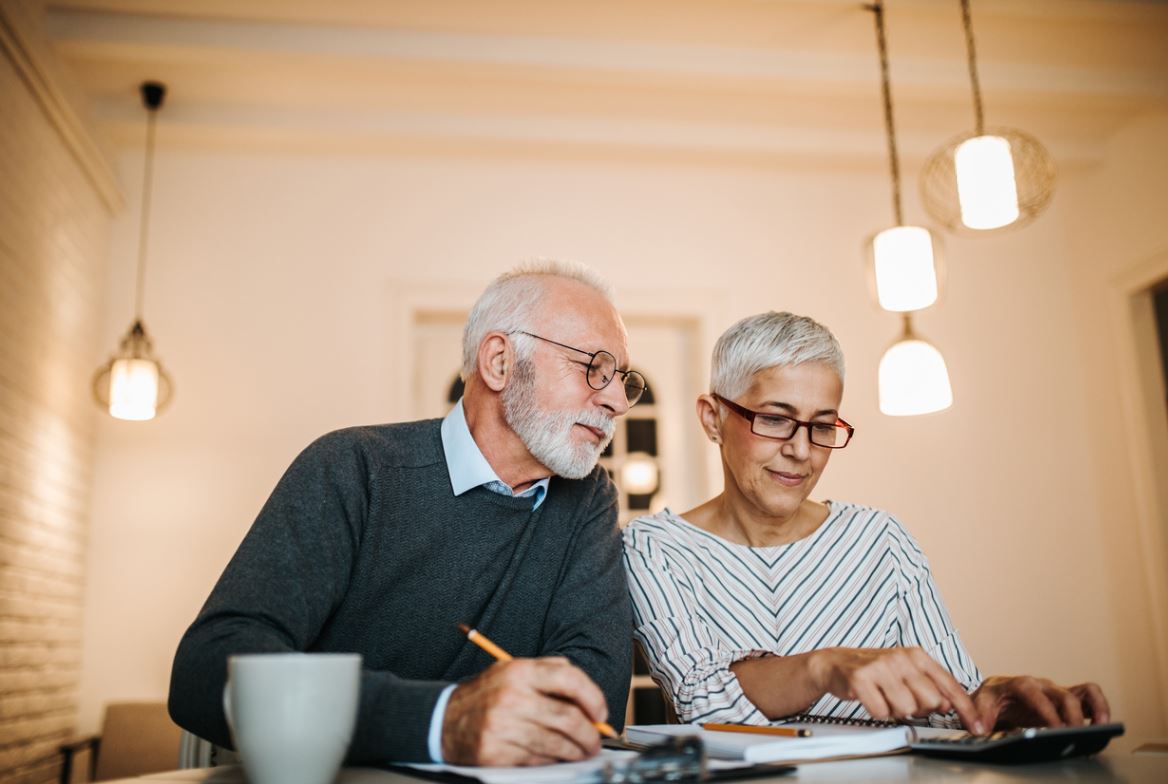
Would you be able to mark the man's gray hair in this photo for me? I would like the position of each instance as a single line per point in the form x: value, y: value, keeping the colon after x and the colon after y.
x: 509, y: 302
x: 770, y: 340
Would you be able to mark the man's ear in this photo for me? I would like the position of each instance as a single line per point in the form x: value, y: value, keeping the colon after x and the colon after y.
x: 496, y: 360
x: 709, y: 419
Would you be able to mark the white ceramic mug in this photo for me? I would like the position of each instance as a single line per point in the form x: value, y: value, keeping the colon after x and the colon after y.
x: 292, y: 714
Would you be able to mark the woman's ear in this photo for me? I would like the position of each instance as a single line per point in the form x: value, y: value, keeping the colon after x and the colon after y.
x: 496, y: 360
x: 709, y: 419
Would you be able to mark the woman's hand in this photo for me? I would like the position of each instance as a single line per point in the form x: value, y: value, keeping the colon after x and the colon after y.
x: 1026, y: 701
x: 893, y: 683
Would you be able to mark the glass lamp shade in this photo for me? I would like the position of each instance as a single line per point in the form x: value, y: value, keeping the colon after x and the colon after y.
x: 905, y: 268
x: 986, y: 189
x: 639, y: 474
x: 133, y: 385
x: 133, y: 389
x: 913, y: 379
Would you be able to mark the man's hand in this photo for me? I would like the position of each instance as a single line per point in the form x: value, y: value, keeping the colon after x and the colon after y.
x: 893, y: 683
x: 523, y: 712
x: 1025, y: 701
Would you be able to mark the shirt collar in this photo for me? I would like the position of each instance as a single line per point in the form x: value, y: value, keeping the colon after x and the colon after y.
x: 468, y: 467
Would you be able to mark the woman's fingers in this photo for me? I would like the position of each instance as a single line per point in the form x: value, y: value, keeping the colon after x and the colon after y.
x: 898, y: 683
x: 952, y: 693
x: 1025, y: 701
x: 1095, y: 703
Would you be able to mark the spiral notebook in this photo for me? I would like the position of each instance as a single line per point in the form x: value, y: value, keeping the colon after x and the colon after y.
x: 833, y: 737
x: 828, y: 740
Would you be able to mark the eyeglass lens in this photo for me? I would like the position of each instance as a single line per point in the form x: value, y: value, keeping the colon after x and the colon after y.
x: 822, y: 434
x: 603, y: 367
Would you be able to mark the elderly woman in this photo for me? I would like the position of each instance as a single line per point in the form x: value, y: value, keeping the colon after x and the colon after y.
x: 762, y: 603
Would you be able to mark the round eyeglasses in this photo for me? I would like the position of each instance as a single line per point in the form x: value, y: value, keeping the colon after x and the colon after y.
x: 833, y: 435
x: 601, y: 369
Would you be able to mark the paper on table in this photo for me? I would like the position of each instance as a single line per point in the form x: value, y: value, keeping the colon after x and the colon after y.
x: 561, y: 773
x: 827, y: 741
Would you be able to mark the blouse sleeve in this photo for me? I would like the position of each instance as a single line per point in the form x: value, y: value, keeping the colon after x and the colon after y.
x: 686, y: 656
x: 923, y: 620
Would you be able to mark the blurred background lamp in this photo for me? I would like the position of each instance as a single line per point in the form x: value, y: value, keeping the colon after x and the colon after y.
x: 133, y: 389
x: 985, y: 182
x: 906, y: 274
x: 132, y: 384
x: 913, y: 378
x: 639, y: 474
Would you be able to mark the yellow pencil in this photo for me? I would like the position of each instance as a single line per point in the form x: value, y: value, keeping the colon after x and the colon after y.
x: 481, y: 640
x: 786, y: 732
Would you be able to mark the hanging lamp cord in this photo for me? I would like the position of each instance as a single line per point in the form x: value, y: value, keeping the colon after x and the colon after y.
x: 971, y: 53
x: 144, y: 224
x: 877, y: 10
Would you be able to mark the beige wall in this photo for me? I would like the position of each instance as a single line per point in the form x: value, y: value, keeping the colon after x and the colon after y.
x: 270, y: 298
x: 1118, y: 240
x: 53, y: 236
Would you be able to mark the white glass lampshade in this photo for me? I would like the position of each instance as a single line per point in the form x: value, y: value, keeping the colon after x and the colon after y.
x: 986, y: 187
x: 133, y: 389
x: 913, y: 379
x: 639, y: 474
x: 906, y: 272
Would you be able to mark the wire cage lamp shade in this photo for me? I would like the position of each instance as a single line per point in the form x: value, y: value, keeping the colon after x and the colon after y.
x: 988, y: 178
x: 1000, y: 191
x: 133, y: 385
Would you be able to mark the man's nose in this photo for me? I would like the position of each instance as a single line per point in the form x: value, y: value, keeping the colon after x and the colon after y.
x: 613, y: 397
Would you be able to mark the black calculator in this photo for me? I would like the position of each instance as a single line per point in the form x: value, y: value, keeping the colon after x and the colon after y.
x: 1028, y: 744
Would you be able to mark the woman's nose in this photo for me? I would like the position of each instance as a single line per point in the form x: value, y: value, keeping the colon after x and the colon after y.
x: 799, y: 444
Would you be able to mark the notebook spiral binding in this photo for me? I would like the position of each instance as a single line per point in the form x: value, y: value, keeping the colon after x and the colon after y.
x: 815, y: 718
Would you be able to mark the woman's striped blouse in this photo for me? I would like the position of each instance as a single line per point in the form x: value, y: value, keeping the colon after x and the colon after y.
x: 702, y: 603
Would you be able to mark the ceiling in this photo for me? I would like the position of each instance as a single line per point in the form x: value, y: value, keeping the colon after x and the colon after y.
x: 750, y: 80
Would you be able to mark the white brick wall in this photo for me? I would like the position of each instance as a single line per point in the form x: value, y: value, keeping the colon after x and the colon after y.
x: 53, y: 227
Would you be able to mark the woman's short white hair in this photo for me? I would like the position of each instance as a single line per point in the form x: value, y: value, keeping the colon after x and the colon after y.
x: 508, y: 303
x: 770, y: 340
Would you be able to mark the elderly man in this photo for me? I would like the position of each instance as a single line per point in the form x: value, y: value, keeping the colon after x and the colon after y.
x: 380, y: 540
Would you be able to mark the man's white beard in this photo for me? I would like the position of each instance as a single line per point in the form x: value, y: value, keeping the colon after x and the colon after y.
x: 548, y: 434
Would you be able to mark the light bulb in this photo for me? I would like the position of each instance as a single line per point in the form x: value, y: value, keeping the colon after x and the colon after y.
x: 986, y: 188
x: 906, y: 275
x: 133, y: 390
x: 913, y: 379
x: 639, y: 475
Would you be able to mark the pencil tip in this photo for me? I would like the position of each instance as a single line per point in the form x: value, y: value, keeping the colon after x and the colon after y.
x: 462, y: 627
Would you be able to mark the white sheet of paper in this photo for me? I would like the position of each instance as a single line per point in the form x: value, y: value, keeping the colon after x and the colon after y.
x: 560, y: 773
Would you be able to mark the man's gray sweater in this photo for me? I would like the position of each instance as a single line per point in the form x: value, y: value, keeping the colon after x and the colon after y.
x: 364, y: 548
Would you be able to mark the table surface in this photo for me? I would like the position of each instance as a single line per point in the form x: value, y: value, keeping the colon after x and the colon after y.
x: 1151, y: 768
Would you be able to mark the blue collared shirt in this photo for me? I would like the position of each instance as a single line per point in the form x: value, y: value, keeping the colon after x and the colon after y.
x: 468, y: 470
x: 467, y: 466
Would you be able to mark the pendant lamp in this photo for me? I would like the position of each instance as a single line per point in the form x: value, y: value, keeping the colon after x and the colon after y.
x: 913, y: 378
x: 986, y: 179
x: 902, y: 258
x: 133, y: 384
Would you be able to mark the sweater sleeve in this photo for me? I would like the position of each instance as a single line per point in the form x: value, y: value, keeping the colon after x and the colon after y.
x: 589, y: 620
x: 278, y: 592
x: 687, y: 658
